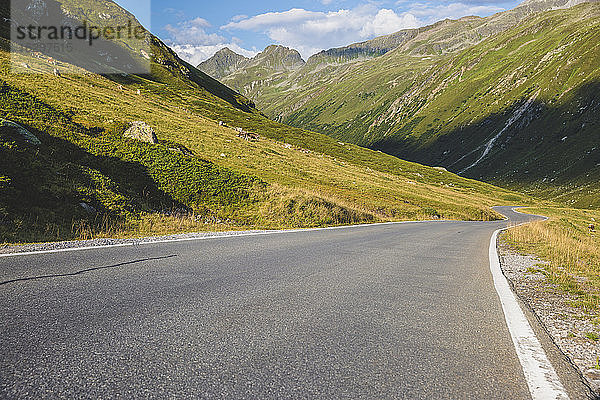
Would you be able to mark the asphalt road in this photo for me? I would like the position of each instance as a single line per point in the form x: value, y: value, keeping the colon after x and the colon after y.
x: 384, y: 311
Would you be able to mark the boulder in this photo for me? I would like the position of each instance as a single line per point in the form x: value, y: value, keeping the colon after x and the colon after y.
x: 141, y: 131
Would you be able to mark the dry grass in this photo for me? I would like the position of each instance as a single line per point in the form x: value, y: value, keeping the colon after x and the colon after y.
x: 570, y: 248
x: 148, y: 224
x: 279, y: 207
x: 306, y: 208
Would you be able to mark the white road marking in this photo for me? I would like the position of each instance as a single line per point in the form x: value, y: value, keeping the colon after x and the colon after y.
x: 229, y: 234
x: 541, y: 377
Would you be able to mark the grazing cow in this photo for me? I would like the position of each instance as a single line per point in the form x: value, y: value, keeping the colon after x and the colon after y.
x: 56, y: 73
x: 591, y: 227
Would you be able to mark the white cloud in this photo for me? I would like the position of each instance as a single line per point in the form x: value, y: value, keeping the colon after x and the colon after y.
x: 192, y: 43
x: 295, y: 15
x: 174, y: 11
x: 195, y: 54
x: 311, y: 31
x: 193, y: 32
x: 386, y: 20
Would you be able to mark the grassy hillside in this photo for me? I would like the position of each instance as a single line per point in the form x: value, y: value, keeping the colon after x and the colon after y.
x: 85, y: 179
x: 533, y: 87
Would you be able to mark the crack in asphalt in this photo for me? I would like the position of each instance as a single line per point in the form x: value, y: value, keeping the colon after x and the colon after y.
x: 32, y: 278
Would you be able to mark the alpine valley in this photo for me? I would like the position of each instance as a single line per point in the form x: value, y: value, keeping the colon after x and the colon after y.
x: 511, y: 99
x: 85, y: 155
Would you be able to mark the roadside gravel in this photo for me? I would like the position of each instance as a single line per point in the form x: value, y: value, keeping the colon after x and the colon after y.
x: 50, y: 246
x: 76, y: 244
x: 570, y: 327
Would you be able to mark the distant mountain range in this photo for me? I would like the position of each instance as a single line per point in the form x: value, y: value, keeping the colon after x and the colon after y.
x: 510, y: 99
x: 439, y: 38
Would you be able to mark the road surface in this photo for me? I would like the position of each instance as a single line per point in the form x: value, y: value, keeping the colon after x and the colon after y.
x: 384, y: 311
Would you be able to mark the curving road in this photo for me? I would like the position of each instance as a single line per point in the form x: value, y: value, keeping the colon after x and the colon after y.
x: 384, y: 311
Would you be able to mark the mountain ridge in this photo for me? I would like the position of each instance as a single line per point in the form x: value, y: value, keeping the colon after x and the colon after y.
x: 224, y: 62
x: 499, y: 94
x: 273, y: 59
x: 438, y: 38
x: 381, y: 102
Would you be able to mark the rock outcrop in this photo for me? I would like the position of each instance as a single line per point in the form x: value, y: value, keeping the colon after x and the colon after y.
x: 139, y: 130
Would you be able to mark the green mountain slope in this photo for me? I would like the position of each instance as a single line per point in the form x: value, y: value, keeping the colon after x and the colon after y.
x: 75, y: 174
x: 519, y: 109
x: 524, y: 99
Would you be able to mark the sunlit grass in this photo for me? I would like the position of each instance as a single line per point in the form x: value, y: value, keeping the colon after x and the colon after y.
x: 571, y: 249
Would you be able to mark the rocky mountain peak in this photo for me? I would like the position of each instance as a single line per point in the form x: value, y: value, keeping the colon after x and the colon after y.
x: 223, y: 63
x: 278, y: 57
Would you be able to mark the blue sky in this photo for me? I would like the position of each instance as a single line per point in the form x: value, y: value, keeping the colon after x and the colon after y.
x: 197, y: 29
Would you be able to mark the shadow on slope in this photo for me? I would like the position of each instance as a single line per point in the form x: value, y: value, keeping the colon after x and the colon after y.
x: 551, y: 149
x: 42, y: 187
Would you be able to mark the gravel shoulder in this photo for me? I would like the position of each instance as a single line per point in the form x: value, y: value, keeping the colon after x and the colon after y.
x: 77, y: 244
x: 571, y: 328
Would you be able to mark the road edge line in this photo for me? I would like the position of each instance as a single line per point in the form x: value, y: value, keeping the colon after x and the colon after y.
x: 219, y: 235
x: 542, y: 379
